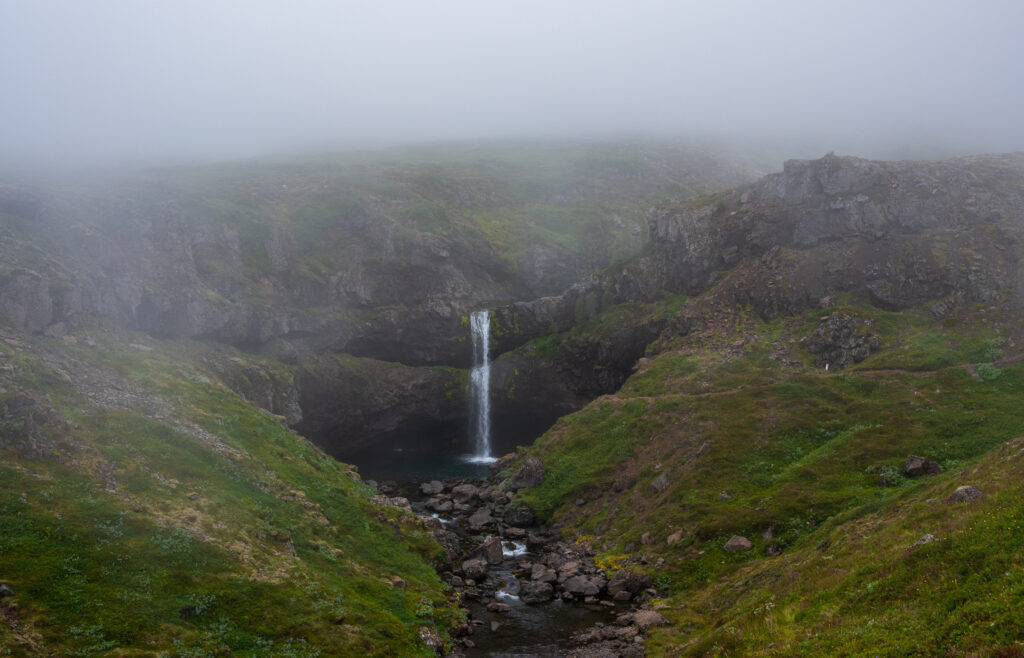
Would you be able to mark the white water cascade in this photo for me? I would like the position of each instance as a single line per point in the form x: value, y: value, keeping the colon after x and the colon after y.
x: 480, y: 388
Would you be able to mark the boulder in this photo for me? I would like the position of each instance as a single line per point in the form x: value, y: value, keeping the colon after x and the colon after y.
x: 430, y: 637
x: 431, y: 488
x: 965, y: 494
x: 584, y: 585
x: 917, y: 466
x: 431, y: 523
x: 568, y: 570
x: 554, y: 560
x: 530, y: 474
x: 463, y: 493
x: 498, y: 606
x: 480, y: 518
x: 536, y: 592
x: 674, y: 538
x: 489, y: 550
x: 737, y: 543
x: 644, y: 619
x: 628, y: 582
x: 925, y: 539
x: 439, y: 504
x: 5, y: 591
x: 519, y: 515
x: 660, y: 483
x: 475, y: 569
x: 543, y: 574
x: 538, y: 539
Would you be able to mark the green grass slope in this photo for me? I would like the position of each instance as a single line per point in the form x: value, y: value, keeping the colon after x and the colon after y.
x: 736, y: 429
x: 146, y: 509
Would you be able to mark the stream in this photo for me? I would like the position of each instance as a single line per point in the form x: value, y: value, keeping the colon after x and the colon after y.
x: 499, y: 623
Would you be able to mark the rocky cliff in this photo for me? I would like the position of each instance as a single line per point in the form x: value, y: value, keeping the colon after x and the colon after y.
x: 894, y: 234
x: 382, y: 262
x: 369, y: 256
x: 898, y: 233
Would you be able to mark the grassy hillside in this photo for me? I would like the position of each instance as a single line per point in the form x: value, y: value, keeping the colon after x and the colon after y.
x: 146, y: 507
x: 736, y: 428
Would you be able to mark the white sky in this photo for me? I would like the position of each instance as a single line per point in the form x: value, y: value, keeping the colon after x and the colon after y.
x: 143, y: 80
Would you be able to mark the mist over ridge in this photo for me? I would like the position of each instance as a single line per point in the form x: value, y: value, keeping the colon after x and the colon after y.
x: 125, y: 83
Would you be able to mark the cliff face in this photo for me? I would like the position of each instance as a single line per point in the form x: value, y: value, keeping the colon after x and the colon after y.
x: 173, y: 268
x: 384, y: 262
x: 378, y: 257
x: 898, y: 233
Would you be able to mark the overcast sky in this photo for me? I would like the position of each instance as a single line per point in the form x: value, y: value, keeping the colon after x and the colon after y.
x: 142, y: 80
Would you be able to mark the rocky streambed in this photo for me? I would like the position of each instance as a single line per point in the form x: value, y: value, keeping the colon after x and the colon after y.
x: 526, y: 591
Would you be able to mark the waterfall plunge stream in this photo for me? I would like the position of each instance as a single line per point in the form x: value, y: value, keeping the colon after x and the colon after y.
x: 480, y: 388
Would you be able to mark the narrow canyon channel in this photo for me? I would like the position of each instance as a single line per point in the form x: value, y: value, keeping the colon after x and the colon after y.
x: 526, y: 592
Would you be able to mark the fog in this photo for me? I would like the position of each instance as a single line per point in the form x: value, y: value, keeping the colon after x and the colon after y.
x: 139, y: 81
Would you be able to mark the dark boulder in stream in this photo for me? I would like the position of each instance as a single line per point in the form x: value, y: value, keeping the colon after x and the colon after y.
x: 536, y: 592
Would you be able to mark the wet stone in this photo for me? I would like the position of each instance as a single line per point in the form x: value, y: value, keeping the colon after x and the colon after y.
x: 536, y: 592
x: 489, y: 550
x: 431, y: 488
x: 464, y: 493
x: 475, y: 569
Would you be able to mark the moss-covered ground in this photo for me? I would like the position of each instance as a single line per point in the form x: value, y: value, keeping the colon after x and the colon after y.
x: 733, y: 429
x: 160, y: 514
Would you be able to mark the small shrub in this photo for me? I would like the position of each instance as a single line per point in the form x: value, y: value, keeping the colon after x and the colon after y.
x: 663, y: 582
x: 425, y: 608
x: 990, y: 350
x: 890, y: 476
x: 610, y: 562
x: 92, y: 637
x: 987, y: 371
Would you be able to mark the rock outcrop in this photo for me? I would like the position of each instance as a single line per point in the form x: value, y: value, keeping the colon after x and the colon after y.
x: 896, y: 233
x: 966, y: 494
x: 917, y: 466
x: 841, y: 340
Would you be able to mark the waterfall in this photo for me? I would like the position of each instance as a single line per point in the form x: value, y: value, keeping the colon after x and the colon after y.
x: 480, y: 388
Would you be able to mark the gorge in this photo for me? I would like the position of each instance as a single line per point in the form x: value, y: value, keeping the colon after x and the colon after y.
x: 629, y: 339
